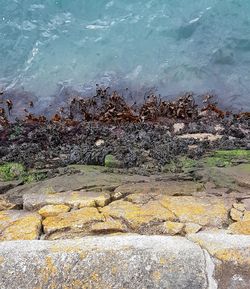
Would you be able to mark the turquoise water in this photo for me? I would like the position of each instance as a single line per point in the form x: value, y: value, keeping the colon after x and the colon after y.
x: 171, y: 45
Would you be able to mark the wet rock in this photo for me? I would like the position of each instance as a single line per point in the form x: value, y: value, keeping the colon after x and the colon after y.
x: 90, y: 178
x: 5, y: 186
x: 231, y: 258
x: 104, y: 262
x: 53, y: 210
x: 72, y: 224
x: 170, y: 188
x: 77, y: 199
x: 240, y: 174
x: 19, y: 225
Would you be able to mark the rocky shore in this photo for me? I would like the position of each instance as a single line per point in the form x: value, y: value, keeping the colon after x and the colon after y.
x: 145, y: 203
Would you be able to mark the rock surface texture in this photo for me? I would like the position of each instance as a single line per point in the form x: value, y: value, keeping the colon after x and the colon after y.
x: 206, y: 261
x: 95, y: 228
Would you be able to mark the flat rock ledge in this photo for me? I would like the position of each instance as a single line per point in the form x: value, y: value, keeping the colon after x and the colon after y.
x: 203, y: 260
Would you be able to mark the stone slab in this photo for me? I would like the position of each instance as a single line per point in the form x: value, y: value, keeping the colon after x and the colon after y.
x: 103, y: 262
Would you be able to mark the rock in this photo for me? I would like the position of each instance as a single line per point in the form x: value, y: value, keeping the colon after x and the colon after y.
x: 170, y: 188
x: 99, y: 142
x: 173, y: 228
x: 19, y: 225
x: 236, y: 215
x: 231, y: 258
x: 246, y: 203
x: 6, y: 205
x: 240, y: 174
x: 112, y: 162
x: 53, y: 210
x: 241, y: 227
x: 5, y: 186
x: 206, y: 211
x: 109, y: 226
x: 246, y: 216
x: 201, y: 136
x: 178, y: 127
x: 90, y: 178
x: 80, y: 199
x: 191, y: 228
x: 239, y: 206
x: 138, y: 216
x: 104, y: 262
x: 72, y: 224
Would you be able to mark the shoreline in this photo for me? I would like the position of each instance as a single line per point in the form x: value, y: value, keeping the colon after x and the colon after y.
x: 148, y: 136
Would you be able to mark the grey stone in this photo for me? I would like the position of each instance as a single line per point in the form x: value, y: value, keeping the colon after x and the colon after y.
x: 129, y: 261
x: 231, y: 257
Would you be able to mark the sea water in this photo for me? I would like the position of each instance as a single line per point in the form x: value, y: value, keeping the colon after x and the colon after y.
x: 171, y: 46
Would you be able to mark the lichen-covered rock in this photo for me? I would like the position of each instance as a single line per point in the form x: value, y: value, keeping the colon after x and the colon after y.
x: 136, y: 216
x: 53, y: 210
x: 109, y: 226
x: 241, y: 227
x: 72, y: 224
x: 191, y: 228
x: 236, y: 215
x: 77, y: 199
x: 207, y: 211
x: 231, y: 257
x: 239, y: 206
x: 104, y: 262
x: 173, y: 228
x: 6, y: 205
x: 19, y: 225
x: 246, y: 216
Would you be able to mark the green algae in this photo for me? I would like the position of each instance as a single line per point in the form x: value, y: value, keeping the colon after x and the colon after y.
x: 112, y: 162
x: 16, y: 171
x: 226, y: 158
x: 11, y: 171
x: 182, y: 164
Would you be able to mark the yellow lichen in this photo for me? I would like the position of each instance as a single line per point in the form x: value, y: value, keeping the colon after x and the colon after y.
x: 173, y: 228
x: 156, y: 275
x: 53, y: 210
x: 74, y: 219
x: 190, y: 209
x: 108, y: 226
x: 246, y: 216
x: 137, y: 215
x: 69, y: 249
x: 242, y: 227
x: 25, y: 228
x: 233, y: 255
